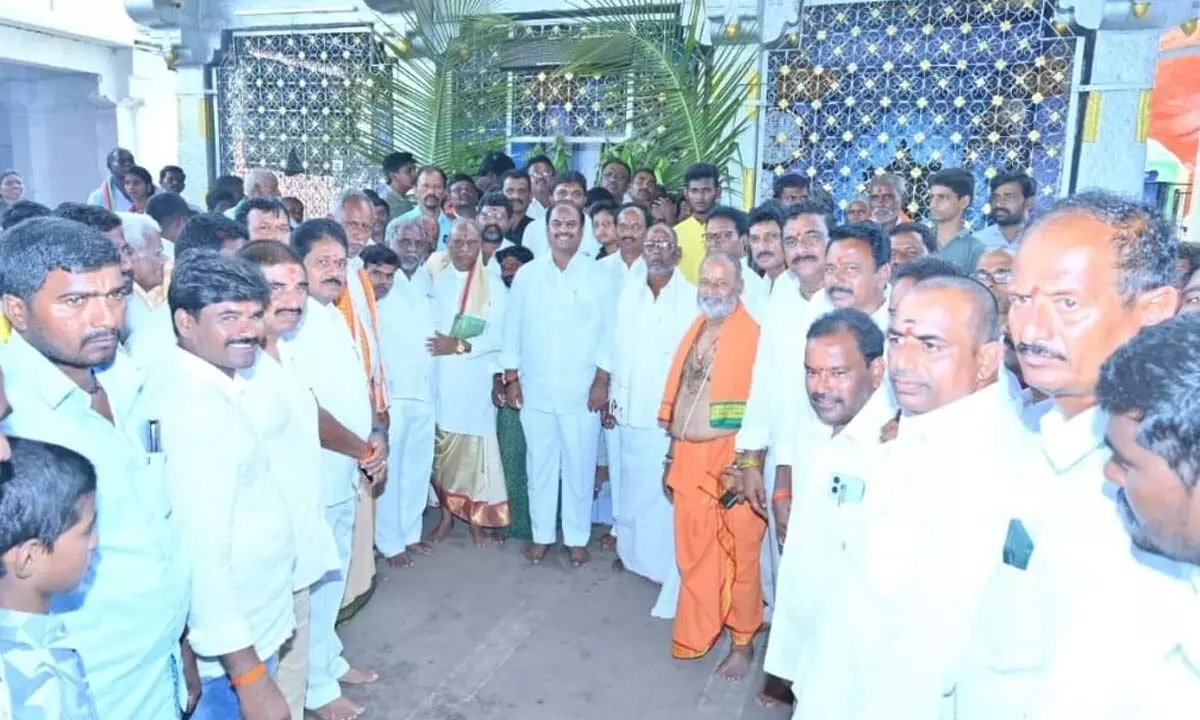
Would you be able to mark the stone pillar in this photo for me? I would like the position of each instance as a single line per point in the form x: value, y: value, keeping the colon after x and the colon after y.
x: 1111, y: 153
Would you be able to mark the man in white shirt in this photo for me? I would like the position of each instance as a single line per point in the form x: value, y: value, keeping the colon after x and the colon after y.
x: 553, y: 327
x: 894, y: 621
x: 406, y: 321
x: 843, y: 371
x: 1013, y: 195
x: 331, y: 364
x: 541, y: 184
x: 468, y: 313
x: 286, y: 416
x: 651, y: 319
x: 569, y: 187
x: 68, y: 383
x: 1149, y: 389
x: 764, y: 230
x: 1089, y: 274
x: 149, y: 265
x: 726, y: 231
x: 230, y: 510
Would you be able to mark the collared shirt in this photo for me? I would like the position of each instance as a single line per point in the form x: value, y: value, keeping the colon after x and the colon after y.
x: 537, y: 239
x: 824, y: 526
x: 328, y: 362
x: 444, y: 224
x: 284, y: 414
x: 39, y: 678
x: 1047, y: 644
x: 896, y: 621
x: 406, y: 323
x: 757, y: 291
x: 151, y: 337
x: 110, y: 196
x: 619, y: 273
x: 645, y: 337
x: 127, y: 616
x: 692, y: 247
x: 232, y: 514
x: 464, y: 382
x: 553, y: 329
x: 398, y: 204
x: 991, y: 237
x: 962, y: 251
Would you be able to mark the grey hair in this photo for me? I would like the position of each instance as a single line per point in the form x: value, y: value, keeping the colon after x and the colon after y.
x: 338, y: 206
x: 667, y: 229
x: 256, y: 177
x: 465, y: 222
x: 727, y: 258
x: 892, y: 180
x: 137, y: 228
x: 399, y: 225
x: 859, y: 198
x: 1145, y: 246
x: 987, y: 311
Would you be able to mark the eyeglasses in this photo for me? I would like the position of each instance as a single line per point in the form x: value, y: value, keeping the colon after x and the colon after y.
x: 1002, y: 276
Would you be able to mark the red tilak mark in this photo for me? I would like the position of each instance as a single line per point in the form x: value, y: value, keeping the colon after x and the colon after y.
x: 1035, y: 292
x: 908, y: 332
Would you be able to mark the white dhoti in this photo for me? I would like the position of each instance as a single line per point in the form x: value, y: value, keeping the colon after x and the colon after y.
x: 399, y: 510
x: 561, y: 446
x: 645, y: 520
x: 770, y: 546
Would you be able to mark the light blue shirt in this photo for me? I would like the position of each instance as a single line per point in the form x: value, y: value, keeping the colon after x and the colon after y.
x: 128, y: 615
x: 38, y: 677
x: 444, y: 224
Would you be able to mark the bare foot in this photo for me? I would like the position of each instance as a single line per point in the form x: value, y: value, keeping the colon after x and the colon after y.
x: 420, y: 548
x: 444, y: 526
x: 618, y: 566
x: 775, y: 692
x: 608, y: 541
x: 535, y: 553
x: 340, y: 709
x: 579, y: 556
x: 737, y: 663
x: 401, y: 560
x: 479, y: 535
x: 358, y: 676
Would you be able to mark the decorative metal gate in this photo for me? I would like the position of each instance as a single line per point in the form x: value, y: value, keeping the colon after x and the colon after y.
x: 912, y: 86
x: 283, y: 96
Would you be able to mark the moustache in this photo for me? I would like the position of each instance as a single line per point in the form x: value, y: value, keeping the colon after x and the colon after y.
x: 1039, y: 350
x: 332, y: 281
x: 288, y: 311
x: 99, y: 336
x: 825, y: 398
x: 805, y: 257
x: 245, y: 340
x: 840, y: 290
x: 765, y: 254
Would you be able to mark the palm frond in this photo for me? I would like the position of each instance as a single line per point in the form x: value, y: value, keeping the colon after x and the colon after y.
x: 688, y: 101
x: 426, y: 95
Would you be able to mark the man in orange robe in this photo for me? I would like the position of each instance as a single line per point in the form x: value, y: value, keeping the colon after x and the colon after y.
x: 717, y: 540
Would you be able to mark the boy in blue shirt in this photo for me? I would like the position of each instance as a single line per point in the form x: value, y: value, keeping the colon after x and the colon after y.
x: 47, y: 534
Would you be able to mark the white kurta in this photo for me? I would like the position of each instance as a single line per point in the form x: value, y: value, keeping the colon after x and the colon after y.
x: 406, y: 322
x: 464, y: 382
x: 895, y: 622
x: 756, y: 292
x: 647, y: 333
x: 151, y: 336
x: 822, y: 527
x: 1053, y: 641
x: 284, y: 414
x: 554, y: 326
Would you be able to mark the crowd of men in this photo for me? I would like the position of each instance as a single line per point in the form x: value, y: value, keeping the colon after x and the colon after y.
x: 951, y: 468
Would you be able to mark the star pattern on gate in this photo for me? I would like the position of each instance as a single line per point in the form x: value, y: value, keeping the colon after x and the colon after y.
x: 911, y: 87
x: 284, y: 93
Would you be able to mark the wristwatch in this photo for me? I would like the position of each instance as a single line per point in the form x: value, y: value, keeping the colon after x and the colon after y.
x: 460, y: 348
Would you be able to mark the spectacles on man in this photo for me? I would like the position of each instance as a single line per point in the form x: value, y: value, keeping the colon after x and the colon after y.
x: 1003, y: 276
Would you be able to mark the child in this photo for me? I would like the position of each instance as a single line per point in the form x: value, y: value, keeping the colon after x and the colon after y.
x: 47, y: 534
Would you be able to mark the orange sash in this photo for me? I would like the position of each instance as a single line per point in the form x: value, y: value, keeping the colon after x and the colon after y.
x: 378, y: 381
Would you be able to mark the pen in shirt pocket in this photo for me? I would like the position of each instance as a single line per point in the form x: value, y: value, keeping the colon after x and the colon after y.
x: 154, y: 437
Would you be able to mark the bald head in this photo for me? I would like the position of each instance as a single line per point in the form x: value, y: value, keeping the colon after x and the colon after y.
x: 980, y: 305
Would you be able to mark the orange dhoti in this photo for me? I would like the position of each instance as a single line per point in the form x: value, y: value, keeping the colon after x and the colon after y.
x: 717, y: 551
